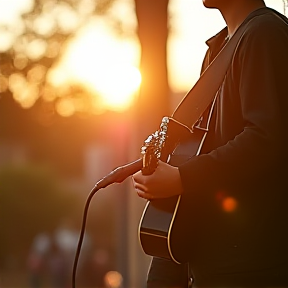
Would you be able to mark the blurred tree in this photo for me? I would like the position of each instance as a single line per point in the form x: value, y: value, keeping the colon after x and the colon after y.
x: 39, y: 36
x: 154, y: 95
x: 36, y: 39
x: 53, y: 23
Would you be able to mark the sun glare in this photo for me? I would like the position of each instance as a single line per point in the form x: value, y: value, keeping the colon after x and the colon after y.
x: 98, y: 59
x: 118, y: 83
x: 102, y: 63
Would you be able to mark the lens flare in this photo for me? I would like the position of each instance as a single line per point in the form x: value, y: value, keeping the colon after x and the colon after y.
x: 113, y: 279
x: 229, y: 204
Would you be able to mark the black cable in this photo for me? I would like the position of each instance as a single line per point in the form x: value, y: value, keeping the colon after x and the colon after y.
x: 82, y: 232
x: 116, y: 176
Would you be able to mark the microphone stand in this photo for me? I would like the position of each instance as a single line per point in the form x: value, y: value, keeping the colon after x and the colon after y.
x: 117, y: 175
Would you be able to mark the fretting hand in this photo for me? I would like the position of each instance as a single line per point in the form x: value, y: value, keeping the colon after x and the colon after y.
x: 164, y: 182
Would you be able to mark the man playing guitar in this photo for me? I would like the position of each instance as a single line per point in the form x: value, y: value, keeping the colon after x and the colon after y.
x: 235, y: 192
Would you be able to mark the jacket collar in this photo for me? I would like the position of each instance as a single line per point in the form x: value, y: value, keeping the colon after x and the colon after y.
x: 219, y: 38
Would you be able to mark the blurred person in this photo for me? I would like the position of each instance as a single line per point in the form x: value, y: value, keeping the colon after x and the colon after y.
x: 96, y: 265
x: 36, y: 262
x: 58, y: 266
x: 100, y: 264
x: 235, y: 191
x: 35, y: 266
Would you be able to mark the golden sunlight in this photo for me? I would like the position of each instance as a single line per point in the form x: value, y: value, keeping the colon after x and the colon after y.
x: 103, y: 63
x: 98, y: 59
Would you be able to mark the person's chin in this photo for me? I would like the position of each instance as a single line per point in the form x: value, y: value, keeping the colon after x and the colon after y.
x: 209, y: 4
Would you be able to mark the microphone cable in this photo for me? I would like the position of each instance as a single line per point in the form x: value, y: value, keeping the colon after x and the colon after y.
x: 118, y: 175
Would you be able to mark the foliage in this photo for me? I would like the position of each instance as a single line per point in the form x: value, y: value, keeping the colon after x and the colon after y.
x: 36, y: 40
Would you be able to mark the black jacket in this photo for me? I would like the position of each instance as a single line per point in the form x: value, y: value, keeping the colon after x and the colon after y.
x: 235, y: 192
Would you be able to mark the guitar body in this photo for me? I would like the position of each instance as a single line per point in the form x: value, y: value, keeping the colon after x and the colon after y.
x: 158, y: 233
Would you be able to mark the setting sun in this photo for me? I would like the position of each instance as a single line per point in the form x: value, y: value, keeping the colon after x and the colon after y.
x: 102, y: 63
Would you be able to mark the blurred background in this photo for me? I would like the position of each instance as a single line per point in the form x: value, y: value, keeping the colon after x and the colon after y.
x: 82, y: 85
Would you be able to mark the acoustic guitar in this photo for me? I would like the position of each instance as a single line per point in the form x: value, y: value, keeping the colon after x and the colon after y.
x: 160, y: 227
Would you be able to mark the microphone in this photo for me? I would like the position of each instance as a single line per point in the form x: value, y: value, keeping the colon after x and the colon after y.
x: 119, y: 174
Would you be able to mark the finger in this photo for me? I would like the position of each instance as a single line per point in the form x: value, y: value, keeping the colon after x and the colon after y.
x: 144, y: 195
x: 140, y: 187
x: 139, y: 178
